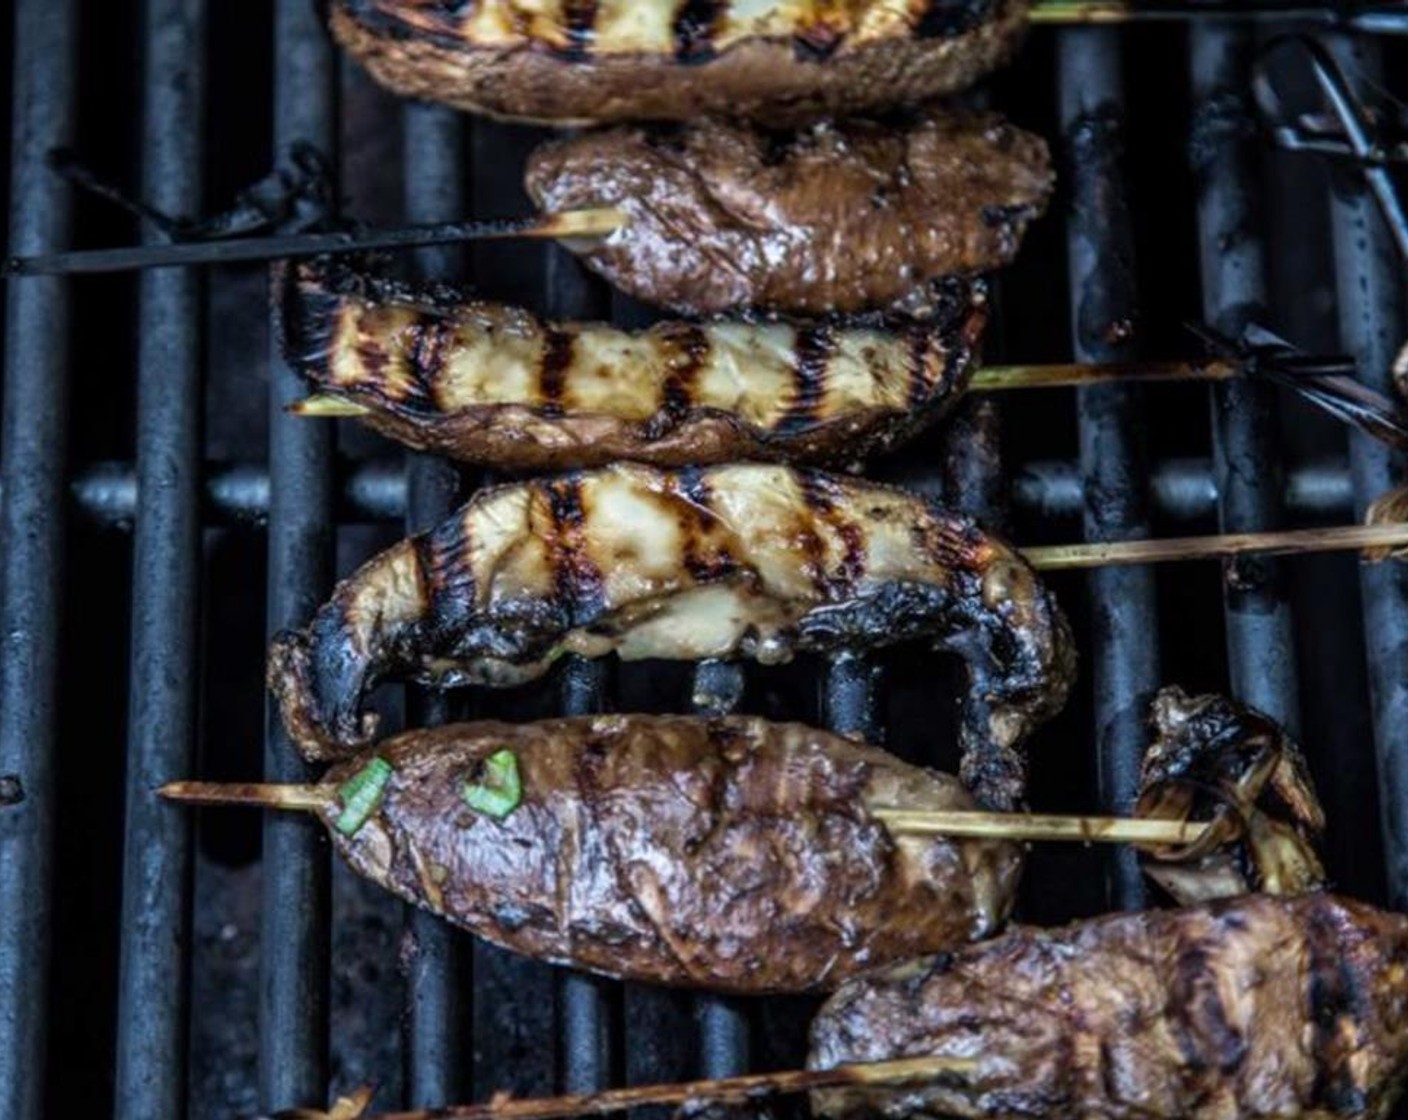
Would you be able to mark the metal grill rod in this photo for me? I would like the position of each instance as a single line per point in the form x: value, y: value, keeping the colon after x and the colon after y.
x: 32, y: 541
x: 294, y: 930
x: 437, y: 977
x: 1260, y: 634
x: 1124, y: 659
x: 154, y: 972
x: 1373, y: 320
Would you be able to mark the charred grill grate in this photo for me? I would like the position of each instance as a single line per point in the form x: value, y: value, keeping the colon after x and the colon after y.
x: 138, y: 956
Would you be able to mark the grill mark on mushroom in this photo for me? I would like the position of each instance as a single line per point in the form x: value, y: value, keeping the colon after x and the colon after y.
x: 689, y: 347
x: 946, y: 19
x: 579, y: 22
x: 577, y: 579
x: 687, y: 565
x: 579, y: 61
x: 1338, y: 1007
x: 814, y: 350
x: 556, y: 360
x: 694, y: 28
x: 1262, y: 1005
x: 492, y: 384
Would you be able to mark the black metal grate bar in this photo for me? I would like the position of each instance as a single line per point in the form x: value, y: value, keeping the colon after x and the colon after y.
x: 1049, y: 490
x: 156, y: 881
x: 32, y: 541
x: 1260, y: 635
x: 293, y: 1019
x: 722, y: 1021
x: 1373, y: 325
x: 1124, y: 656
x: 586, y: 1001
x: 850, y: 697
x: 435, y: 190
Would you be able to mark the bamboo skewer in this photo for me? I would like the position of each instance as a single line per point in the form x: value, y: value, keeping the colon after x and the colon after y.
x: 992, y: 379
x: 1380, y: 539
x: 1040, y: 826
x: 1382, y: 18
x: 296, y: 798
x: 958, y: 822
x: 567, y: 224
x: 747, y: 1087
x: 989, y: 379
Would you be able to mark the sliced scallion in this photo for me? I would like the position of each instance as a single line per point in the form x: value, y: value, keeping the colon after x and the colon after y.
x: 497, y: 788
x: 361, y: 794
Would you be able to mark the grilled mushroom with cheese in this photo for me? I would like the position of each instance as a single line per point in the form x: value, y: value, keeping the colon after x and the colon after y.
x: 731, y: 853
x: 835, y: 218
x: 752, y: 561
x: 486, y: 383
x: 614, y: 60
x: 1259, y: 1007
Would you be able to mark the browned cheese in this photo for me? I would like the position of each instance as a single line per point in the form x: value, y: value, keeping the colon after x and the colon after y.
x: 841, y: 217
x: 747, y: 561
x: 491, y: 384
x: 613, y: 60
x: 1260, y: 1008
x: 733, y: 854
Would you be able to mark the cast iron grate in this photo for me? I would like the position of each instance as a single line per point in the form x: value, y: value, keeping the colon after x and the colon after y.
x: 152, y: 969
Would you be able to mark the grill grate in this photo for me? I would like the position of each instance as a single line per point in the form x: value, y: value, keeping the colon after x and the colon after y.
x: 215, y: 493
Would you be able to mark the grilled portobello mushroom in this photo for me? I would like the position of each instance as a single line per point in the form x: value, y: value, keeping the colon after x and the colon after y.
x: 1215, y: 760
x: 485, y: 383
x: 840, y: 217
x: 732, y: 853
x: 1258, y: 1007
x: 737, y: 561
x: 576, y: 63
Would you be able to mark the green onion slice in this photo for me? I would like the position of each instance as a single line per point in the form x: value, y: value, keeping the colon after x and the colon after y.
x: 361, y: 794
x: 498, y: 789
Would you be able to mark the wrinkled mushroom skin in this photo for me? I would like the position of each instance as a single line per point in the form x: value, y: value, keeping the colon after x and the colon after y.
x: 737, y: 561
x: 495, y: 385
x: 733, y: 853
x: 617, y: 60
x: 839, y: 218
x: 1258, y: 1007
x: 1215, y: 760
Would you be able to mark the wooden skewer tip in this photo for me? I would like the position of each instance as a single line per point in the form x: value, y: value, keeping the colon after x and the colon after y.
x: 746, y: 1087
x: 294, y: 797
x: 600, y: 222
x: 324, y: 406
x: 1022, y: 827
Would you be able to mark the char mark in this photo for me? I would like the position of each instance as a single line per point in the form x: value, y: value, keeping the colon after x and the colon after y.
x: 308, y: 319
x: 558, y: 347
x: 428, y: 356
x: 817, y: 41
x: 695, y: 27
x: 578, y: 585
x: 921, y: 388
x: 815, y: 346
x: 579, y: 22
x: 689, y: 346
x: 445, y: 563
x: 1336, y: 998
x: 440, y: 23
x: 1205, y: 1035
x: 373, y: 359
x: 819, y: 495
x: 696, y: 498
x: 947, y: 19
